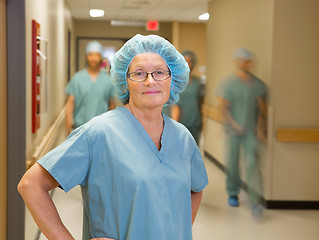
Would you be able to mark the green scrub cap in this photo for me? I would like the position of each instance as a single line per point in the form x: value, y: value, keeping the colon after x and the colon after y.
x: 94, y: 46
x: 191, y: 54
x: 154, y: 44
x: 243, y: 53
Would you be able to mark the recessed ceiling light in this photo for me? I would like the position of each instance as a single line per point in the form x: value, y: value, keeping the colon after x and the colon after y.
x: 204, y: 16
x: 96, y: 13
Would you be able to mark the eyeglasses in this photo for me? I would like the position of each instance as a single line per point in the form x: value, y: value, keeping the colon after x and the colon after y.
x: 140, y: 76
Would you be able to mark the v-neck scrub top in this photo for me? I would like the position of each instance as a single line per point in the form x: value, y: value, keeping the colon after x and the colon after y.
x: 130, y: 189
x: 90, y: 98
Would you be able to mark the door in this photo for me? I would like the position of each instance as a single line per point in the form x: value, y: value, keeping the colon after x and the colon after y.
x: 3, y: 121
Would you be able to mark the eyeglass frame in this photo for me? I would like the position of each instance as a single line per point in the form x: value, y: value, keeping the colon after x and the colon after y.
x: 147, y: 73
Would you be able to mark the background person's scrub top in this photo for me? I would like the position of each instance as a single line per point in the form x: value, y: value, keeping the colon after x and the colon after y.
x: 130, y: 189
x: 189, y: 103
x: 243, y: 98
x: 90, y: 98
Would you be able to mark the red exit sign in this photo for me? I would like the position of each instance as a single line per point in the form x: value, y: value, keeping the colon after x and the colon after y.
x: 152, y: 26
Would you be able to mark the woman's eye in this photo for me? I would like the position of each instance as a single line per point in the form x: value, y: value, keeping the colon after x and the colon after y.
x: 140, y: 73
x: 159, y: 72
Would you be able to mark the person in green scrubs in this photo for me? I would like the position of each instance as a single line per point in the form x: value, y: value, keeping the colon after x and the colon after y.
x: 243, y: 105
x: 90, y: 91
x: 188, y: 109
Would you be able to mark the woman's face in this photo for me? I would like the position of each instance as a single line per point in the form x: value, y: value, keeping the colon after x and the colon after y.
x: 148, y: 93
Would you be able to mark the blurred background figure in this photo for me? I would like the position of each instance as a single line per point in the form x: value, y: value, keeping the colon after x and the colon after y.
x: 187, y: 110
x: 242, y: 101
x: 90, y: 91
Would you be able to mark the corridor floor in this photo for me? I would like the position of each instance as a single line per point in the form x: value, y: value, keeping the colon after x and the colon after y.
x: 215, y: 220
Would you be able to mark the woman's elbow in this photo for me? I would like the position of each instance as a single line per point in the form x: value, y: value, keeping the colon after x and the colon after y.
x: 23, y: 185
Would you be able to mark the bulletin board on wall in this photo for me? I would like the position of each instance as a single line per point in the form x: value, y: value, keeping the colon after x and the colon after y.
x: 110, y: 46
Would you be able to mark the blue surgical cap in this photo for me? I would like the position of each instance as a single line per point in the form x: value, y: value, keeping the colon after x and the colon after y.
x: 94, y: 46
x: 154, y: 44
x: 243, y: 53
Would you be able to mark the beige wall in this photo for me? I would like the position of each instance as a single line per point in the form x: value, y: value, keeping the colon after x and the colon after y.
x: 55, y: 22
x: 284, y: 37
x: 98, y: 28
x: 3, y: 122
x: 295, y: 84
x: 192, y: 36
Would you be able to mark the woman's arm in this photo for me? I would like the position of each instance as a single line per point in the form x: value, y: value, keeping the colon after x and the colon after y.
x: 196, y: 198
x: 34, y: 187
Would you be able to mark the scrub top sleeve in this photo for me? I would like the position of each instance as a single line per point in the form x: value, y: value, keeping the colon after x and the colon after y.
x: 262, y: 90
x: 111, y: 90
x: 199, y: 178
x: 68, y: 163
x: 202, y: 91
x: 227, y: 93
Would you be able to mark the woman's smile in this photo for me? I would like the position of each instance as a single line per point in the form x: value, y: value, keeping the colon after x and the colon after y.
x: 150, y: 92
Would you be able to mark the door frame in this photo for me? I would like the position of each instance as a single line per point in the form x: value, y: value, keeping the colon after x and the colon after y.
x: 16, y: 120
x: 3, y: 121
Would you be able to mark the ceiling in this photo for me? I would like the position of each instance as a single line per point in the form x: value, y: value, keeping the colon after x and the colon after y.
x: 136, y: 10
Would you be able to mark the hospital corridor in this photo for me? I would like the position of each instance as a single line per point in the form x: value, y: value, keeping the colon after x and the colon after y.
x: 159, y: 119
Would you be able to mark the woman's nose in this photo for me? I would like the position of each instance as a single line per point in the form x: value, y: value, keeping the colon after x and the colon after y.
x: 149, y: 80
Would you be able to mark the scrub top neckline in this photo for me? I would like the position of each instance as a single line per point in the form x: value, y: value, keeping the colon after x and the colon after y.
x: 141, y: 130
x: 250, y: 84
x: 90, y: 78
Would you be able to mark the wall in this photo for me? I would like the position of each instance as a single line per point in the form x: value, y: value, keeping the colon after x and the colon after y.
x: 284, y: 36
x: 3, y: 122
x: 233, y: 24
x: 295, y: 67
x: 55, y: 23
x: 192, y: 36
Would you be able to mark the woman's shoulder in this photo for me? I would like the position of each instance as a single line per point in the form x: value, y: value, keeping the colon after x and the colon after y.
x: 109, y: 119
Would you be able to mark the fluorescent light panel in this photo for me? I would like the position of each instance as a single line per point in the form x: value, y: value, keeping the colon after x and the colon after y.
x: 124, y: 23
x: 96, y: 13
x: 204, y: 16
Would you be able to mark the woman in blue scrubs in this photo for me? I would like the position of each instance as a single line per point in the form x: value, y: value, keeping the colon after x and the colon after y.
x: 141, y: 173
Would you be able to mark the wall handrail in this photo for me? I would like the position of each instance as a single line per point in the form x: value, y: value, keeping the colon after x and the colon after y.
x: 300, y: 135
x: 212, y: 113
x: 48, y: 139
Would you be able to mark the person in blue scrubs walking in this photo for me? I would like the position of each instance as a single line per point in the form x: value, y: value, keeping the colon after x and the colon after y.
x: 141, y: 173
x: 90, y: 91
x: 244, y: 109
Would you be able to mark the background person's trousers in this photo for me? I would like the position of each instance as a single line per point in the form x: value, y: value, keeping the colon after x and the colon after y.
x: 253, y: 177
